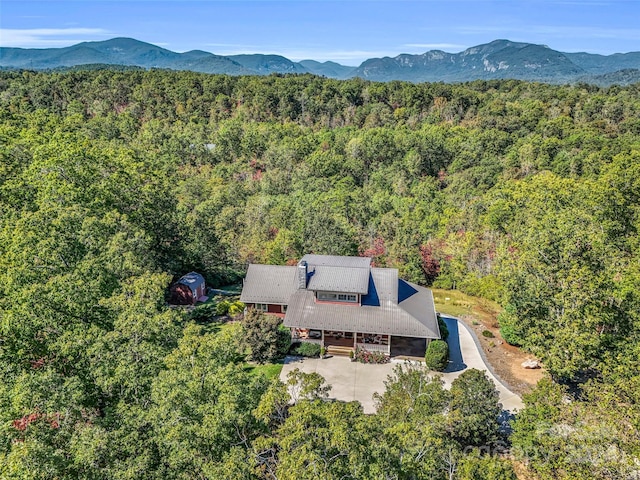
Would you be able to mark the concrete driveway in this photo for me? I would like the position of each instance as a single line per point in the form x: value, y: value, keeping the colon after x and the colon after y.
x: 349, y: 380
x: 464, y: 352
x: 357, y: 381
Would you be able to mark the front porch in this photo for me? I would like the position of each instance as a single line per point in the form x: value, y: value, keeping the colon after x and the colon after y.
x: 341, y: 343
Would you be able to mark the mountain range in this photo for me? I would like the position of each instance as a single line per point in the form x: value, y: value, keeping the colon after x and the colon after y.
x: 499, y: 59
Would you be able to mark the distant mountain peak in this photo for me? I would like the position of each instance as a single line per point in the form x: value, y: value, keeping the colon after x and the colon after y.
x: 500, y: 58
x: 265, y: 64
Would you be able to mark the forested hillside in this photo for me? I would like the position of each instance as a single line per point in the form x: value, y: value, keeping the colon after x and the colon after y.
x: 113, y: 183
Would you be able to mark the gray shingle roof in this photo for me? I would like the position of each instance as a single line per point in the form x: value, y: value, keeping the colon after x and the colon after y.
x: 337, y: 261
x: 389, y: 305
x: 192, y: 280
x: 339, y: 279
x: 380, y: 313
x: 269, y: 284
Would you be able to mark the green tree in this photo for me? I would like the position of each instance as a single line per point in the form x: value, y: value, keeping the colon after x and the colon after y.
x: 200, y: 413
x: 411, y: 392
x: 263, y: 337
x: 329, y: 440
x: 306, y: 386
x: 474, y: 409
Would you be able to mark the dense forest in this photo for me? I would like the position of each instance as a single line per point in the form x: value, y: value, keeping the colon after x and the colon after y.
x: 114, y: 183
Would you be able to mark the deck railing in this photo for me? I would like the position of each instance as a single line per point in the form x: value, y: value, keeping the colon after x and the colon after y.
x: 296, y: 338
x: 373, y: 347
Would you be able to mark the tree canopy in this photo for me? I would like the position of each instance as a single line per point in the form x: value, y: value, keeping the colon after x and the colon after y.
x: 115, y: 183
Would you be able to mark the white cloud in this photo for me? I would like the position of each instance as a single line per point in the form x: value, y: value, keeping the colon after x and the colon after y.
x: 47, y: 37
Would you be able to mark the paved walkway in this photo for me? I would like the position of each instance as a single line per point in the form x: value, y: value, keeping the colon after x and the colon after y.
x: 356, y: 381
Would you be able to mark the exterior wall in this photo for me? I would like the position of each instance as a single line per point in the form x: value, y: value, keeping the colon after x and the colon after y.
x: 182, y: 295
x: 272, y: 309
x: 353, y: 340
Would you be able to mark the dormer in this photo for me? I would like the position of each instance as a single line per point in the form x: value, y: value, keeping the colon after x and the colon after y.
x: 338, y: 279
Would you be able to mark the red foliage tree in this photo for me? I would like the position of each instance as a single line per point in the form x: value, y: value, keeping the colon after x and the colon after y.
x: 21, y: 424
x: 429, y: 263
x: 376, y: 251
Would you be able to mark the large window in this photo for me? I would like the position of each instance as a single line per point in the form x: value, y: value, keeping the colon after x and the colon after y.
x: 262, y: 307
x: 327, y: 296
x: 337, y: 297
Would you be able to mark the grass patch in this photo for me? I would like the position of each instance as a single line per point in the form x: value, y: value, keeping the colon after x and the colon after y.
x: 215, y: 327
x: 269, y: 370
x: 456, y: 303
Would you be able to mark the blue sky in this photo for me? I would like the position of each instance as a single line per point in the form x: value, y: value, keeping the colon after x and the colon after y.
x: 348, y: 31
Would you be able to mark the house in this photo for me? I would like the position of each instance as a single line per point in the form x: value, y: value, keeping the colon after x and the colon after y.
x: 188, y: 290
x: 343, y: 302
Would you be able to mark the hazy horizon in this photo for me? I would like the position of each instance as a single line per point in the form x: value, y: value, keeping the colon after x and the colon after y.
x: 347, y: 32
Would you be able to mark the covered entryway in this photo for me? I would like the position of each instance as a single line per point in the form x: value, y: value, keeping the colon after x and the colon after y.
x: 338, y: 343
x: 341, y: 343
x: 409, y: 347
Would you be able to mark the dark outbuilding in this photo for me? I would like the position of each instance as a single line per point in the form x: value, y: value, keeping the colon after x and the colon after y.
x: 188, y: 290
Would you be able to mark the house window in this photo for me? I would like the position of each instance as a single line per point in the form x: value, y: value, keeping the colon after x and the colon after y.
x: 315, y: 334
x: 347, y: 297
x: 284, y: 309
x: 337, y: 297
x: 327, y: 296
x: 262, y: 307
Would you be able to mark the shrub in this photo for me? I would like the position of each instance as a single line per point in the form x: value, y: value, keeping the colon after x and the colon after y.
x: 307, y: 349
x: 510, y: 335
x: 510, y: 327
x: 236, y: 308
x: 222, y: 307
x: 437, y: 355
x: 487, y: 334
x: 283, y: 340
x: 365, y: 356
x: 203, y: 313
x: 444, y: 331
